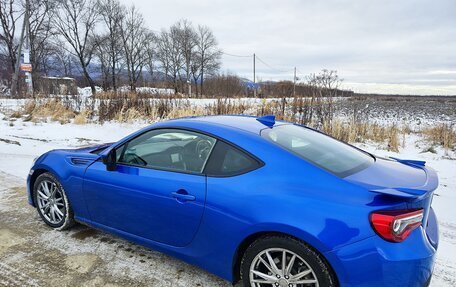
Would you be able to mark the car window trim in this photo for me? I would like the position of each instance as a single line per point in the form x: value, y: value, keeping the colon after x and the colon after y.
x: 162, y: 169
x: 202, y: 173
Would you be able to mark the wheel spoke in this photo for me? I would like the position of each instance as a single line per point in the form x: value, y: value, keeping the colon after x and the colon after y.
x: 268, y: 278
x: 284, y: 262
x: 300, y: 275
x: 53, y: 189
x: 290, y: 264
x: 46, y: 208
x: 272, y: 263
x: 59, y: 213
x: 43, y: 196
x: 53, y: 214
x: 45, y: 188
x: 266, y: 264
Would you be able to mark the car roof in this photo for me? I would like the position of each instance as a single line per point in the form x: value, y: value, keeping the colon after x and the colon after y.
x: 242, y: 122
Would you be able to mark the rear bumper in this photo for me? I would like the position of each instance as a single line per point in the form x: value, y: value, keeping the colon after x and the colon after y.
x: 376, y: 262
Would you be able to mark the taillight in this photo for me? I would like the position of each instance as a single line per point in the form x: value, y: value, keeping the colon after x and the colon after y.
x: 396, y: 225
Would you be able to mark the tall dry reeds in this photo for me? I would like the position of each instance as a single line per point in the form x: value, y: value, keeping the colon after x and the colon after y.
x: 43, y: 109
x: 442, y: 134
x: 313, y: 112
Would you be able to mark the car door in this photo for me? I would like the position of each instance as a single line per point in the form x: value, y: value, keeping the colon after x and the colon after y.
x: 156, y: 190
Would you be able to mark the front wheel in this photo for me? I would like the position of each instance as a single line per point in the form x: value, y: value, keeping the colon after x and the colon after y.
x: 282, y: 261
x: 52, y: 203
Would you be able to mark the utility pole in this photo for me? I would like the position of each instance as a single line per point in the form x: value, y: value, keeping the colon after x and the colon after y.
x: 254, y: 77
x: 189, y: 83
x: 26, y: 29
x: 14, y: 81
x: 294, y: 83
x: 28, y: 72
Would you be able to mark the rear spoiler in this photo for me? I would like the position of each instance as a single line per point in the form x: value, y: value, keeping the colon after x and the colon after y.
x: 402, y: 193
x: 409, y: 161
x: 431, y: 184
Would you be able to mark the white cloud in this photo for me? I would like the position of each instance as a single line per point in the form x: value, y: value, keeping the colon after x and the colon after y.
x: 394, y: 43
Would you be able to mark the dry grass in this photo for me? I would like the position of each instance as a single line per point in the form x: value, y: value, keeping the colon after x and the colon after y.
x: 228, y: 106
x: 16, y: 115
x: 47, y: 108
x: 362, y: 131
x: 443, y: 135
x: 130, y: 107
x: 81, y: 118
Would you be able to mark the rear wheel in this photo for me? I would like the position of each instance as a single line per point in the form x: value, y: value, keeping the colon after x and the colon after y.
x: 52, y: 203
x: 282, y: 261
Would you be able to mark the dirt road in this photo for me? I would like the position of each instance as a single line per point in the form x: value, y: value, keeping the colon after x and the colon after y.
x: 31, y: 254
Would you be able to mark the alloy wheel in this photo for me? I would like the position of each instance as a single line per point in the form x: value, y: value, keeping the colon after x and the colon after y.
x: 280, y: 267
x: 51, y: 202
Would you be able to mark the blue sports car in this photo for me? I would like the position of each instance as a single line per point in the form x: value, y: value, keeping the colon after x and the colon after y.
x: 251, y: 199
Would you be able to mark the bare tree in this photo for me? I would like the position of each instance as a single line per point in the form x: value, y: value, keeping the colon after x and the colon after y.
x: 324, y: 87
x: 75, y: 21
x: 187, y: 41
x: 10, y: 13
x: 164, y: 53
x: 151, y: 53
x: 170, y: 55
x: 176, y: 51
x: 207, y: 56
x: 112, y: 14
x: 61, y: 60
x: 41, y: 48
x: 5, y: 69
x: 104, y: 59
x: 135, y: 37
x: 187, y: 54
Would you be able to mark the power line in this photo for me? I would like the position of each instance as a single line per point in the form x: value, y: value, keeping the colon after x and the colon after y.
x: 293, y: 71
x: 271, y: 67
x: 239, y: 56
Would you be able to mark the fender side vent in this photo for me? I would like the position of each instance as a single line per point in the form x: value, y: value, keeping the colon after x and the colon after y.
x: 80, y: 161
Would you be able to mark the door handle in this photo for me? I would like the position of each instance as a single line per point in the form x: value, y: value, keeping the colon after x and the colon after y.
x: 182, y: 195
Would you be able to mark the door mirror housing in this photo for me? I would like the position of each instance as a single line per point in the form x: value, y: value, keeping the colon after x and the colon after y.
x: 109, y: 160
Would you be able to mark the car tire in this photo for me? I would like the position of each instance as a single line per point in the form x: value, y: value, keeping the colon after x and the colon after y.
x: 276, y: 245
x: 52, y: 202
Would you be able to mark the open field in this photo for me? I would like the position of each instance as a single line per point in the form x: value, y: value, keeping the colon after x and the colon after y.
x: 417, y: 111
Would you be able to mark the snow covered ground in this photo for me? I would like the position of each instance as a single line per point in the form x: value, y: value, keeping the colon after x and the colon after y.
x: 21, y: 142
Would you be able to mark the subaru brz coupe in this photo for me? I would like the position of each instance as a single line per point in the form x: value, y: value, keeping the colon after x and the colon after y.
x: 250, y: 199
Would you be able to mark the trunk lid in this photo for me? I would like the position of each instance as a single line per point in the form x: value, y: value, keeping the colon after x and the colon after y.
x: 407, y: 180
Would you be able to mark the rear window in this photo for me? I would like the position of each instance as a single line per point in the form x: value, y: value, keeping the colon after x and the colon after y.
x: 323, y: 151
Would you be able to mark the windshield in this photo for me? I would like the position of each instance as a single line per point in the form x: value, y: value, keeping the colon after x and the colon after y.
x: 330, y: 154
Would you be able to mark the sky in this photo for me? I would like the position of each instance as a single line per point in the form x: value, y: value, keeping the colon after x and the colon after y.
x: 387, y: 46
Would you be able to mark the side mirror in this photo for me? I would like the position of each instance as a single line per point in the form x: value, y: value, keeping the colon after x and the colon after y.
x: 110, y: 160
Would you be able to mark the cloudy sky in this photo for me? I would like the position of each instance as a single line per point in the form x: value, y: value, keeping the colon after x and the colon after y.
x: 387, y: 46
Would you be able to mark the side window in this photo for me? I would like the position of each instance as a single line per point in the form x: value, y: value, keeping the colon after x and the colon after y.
x: 227, y: 160
x: 169, y: 149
